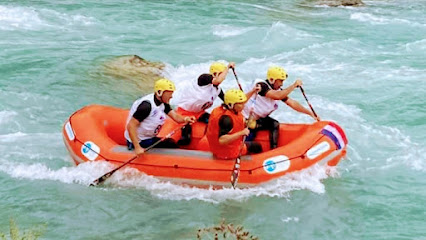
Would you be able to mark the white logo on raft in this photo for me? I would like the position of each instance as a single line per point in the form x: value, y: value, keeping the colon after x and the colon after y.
x: 276, y: 164
x: 318, y: 150
x: 69, y: 131
x: 90, y: 150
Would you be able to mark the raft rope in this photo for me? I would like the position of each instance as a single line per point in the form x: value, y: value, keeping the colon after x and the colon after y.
x: 250, y: 171
x: 285, y: 160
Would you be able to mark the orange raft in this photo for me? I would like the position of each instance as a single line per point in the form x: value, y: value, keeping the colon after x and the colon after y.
x: 96, y: 133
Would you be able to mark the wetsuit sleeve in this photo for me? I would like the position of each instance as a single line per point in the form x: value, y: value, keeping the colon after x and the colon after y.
x: 225, y: 125
x: 167, y: 108
x: 205, y: 79
x: 263, y: 89
x: 142, y: 111
x: 222, y: 95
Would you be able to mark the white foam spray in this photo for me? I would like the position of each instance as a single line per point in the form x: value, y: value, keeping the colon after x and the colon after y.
x: 309, y: 179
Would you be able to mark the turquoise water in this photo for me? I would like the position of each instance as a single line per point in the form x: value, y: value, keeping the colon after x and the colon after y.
x: 362, y: 67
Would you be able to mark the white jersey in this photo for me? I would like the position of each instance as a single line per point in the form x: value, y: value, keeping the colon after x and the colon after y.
x: 152, y: 124
x: 198, y: 98
x: 262, y: 106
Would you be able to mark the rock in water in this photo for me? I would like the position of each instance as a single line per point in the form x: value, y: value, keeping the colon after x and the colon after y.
x: 133, y: 68
x: 336, y: 3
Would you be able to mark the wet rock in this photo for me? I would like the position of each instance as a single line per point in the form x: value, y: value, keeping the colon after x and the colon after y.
x: 135, y: 69
x: 336, y: 3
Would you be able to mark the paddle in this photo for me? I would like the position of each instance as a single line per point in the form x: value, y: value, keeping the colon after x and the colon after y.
x: 108, y: 174
x: 236, y: 78
x: 236, y: 169
x: 312, y: 109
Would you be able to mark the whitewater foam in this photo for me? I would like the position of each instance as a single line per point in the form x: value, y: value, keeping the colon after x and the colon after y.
x: 380, y: 20
x: 12, y: 137
x: 282, y: 30
x: 419, y: 45
x: 6, y: 116
x: 260, y: 7
x: 28, y: 18
x: 309, y: 179
x: 81, y: 174
x: 225, y: 31
x: 387, y: 147
x: 67, y: 19
x: 19, y: 18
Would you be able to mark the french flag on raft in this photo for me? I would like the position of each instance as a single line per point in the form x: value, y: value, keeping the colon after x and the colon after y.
x: 335, y: 133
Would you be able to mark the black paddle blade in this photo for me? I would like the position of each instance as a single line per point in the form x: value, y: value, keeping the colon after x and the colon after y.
x: 235, y: 173
x: 101, y: 179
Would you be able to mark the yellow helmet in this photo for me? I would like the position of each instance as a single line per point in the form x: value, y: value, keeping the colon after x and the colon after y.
x: 233, y: 96
x: 275, y: 73
x: 164, y: 84
x: 217, y: 67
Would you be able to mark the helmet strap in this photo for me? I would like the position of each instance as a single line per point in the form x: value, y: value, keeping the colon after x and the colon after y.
x: 230, y: 106
x: 159, y: 95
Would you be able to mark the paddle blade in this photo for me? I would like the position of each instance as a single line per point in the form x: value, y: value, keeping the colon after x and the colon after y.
x: 101, y: 179
x: 235, y: 173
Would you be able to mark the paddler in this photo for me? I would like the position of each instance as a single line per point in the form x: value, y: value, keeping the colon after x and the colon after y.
x: 201, y: 95
x: 147, y: 116
x: 226, y: 128
x: 267, y: 102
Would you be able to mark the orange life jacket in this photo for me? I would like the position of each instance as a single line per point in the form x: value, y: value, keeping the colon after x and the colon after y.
x: 231, y: 150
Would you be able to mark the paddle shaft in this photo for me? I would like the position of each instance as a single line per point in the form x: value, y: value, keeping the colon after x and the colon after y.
x: 312, y: 109
x: 236, y: 78
x: 237, y: 164
x: 108, y: 174
x: 236, y: 168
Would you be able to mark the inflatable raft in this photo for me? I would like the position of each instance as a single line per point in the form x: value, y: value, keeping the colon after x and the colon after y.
x: 96, y: 133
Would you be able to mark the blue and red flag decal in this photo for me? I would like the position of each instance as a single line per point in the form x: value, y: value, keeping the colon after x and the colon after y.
x: 336, y: 134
